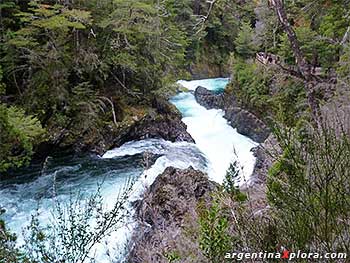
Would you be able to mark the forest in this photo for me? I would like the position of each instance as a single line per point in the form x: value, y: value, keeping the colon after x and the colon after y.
x: 72, y: 71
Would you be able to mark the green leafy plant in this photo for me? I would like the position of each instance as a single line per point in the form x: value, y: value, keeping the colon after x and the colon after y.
x: 307, y: 188
x: 19, y: 134
x: 214, y: 239
x: 8, y: 250
x: 172, y: 256
x: 231, y: 181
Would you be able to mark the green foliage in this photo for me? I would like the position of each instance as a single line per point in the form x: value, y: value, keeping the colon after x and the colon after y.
x: 288, y: 102
x: 343, y: 69
x: 8, y: 21
x: 266, y: 28
x: 245, y: 45
x: 259, y: 91
x: 215, y: 240
x: 145, y: 43
x: 221, y: 31
x: 47, y: 44
x: 334, y: 24
x: 231, y: 181
x: 308, y: 189
x: 318, y: 51
x: 2, y: 85
x: 19, y: 134
x: 75, y: 63
x: 250, y: 85
x: 172, y: 257
x: 8, y: 251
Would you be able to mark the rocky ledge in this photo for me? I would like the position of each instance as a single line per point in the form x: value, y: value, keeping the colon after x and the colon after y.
x: 170, y: 203
x: 161, y: 120
x: 246, y: 122
x: 266, y: 154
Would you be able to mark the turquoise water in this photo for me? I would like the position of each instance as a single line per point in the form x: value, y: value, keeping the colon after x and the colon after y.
x: 214, y: 137
x: 216, y: 141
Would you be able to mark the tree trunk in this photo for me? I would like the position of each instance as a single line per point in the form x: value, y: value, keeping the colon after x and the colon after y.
x: 300, y: 60
x: 304, y: 67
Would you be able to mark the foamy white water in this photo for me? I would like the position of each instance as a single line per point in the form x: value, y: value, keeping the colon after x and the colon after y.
x: 179, y: 154
x: 219, y: 142
x: 217, y: 145
x: 215, y: 140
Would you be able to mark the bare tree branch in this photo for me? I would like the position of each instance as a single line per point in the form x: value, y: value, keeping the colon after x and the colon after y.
x: 345, y: 37
x: 202, y: 19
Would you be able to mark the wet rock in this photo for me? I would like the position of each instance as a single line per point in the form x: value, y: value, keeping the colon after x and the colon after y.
x: 246, y: 123
x: 167, y: 126
x: 170, y: 201
x: 208, y: 98
x: 163, y: 121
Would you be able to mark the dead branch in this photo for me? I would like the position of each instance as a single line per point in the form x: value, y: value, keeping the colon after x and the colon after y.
x: 202, y: 19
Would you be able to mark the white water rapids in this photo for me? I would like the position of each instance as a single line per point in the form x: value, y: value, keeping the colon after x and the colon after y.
x: 217, y: 145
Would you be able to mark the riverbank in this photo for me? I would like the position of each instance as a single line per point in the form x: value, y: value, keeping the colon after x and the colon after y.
x: 169, y: 209
x: 210, y: 155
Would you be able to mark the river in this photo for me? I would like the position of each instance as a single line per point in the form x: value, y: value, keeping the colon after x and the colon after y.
x: 217, y: 145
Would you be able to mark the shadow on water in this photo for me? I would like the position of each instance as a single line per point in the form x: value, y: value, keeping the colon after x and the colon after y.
x: 72, y: 166
x: 30, y: 186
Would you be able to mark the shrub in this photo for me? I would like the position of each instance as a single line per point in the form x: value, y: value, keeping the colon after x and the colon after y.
x: 231, y: 181
x: 215, y: 240
x: 19, y: 133
x: 309, y: 189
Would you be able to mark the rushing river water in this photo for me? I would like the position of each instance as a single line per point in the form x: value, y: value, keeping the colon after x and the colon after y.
x: 216, y: 145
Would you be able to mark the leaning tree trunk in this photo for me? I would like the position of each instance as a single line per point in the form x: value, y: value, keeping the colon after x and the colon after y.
x: 304, y: 67
x: 300, y: 60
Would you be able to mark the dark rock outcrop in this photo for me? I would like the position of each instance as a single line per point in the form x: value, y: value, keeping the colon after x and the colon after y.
x: 168, y: 127
x: 246, y: 123
x: 266, y: 154
x: 162, y: 121
x: 208, y: 98
x: 170, y: 201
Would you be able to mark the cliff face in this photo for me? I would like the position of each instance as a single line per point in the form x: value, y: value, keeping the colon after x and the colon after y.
x: 246, y: 122
x: 167, y: 216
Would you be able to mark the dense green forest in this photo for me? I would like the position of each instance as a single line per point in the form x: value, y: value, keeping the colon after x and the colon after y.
x: 71, y: 69
x: 66, y: 65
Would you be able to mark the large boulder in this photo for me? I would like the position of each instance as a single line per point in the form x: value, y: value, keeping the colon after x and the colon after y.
x: 167, y: 127
x: 169, y: 203
x: 165, y: 122
x: 208, y: 98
